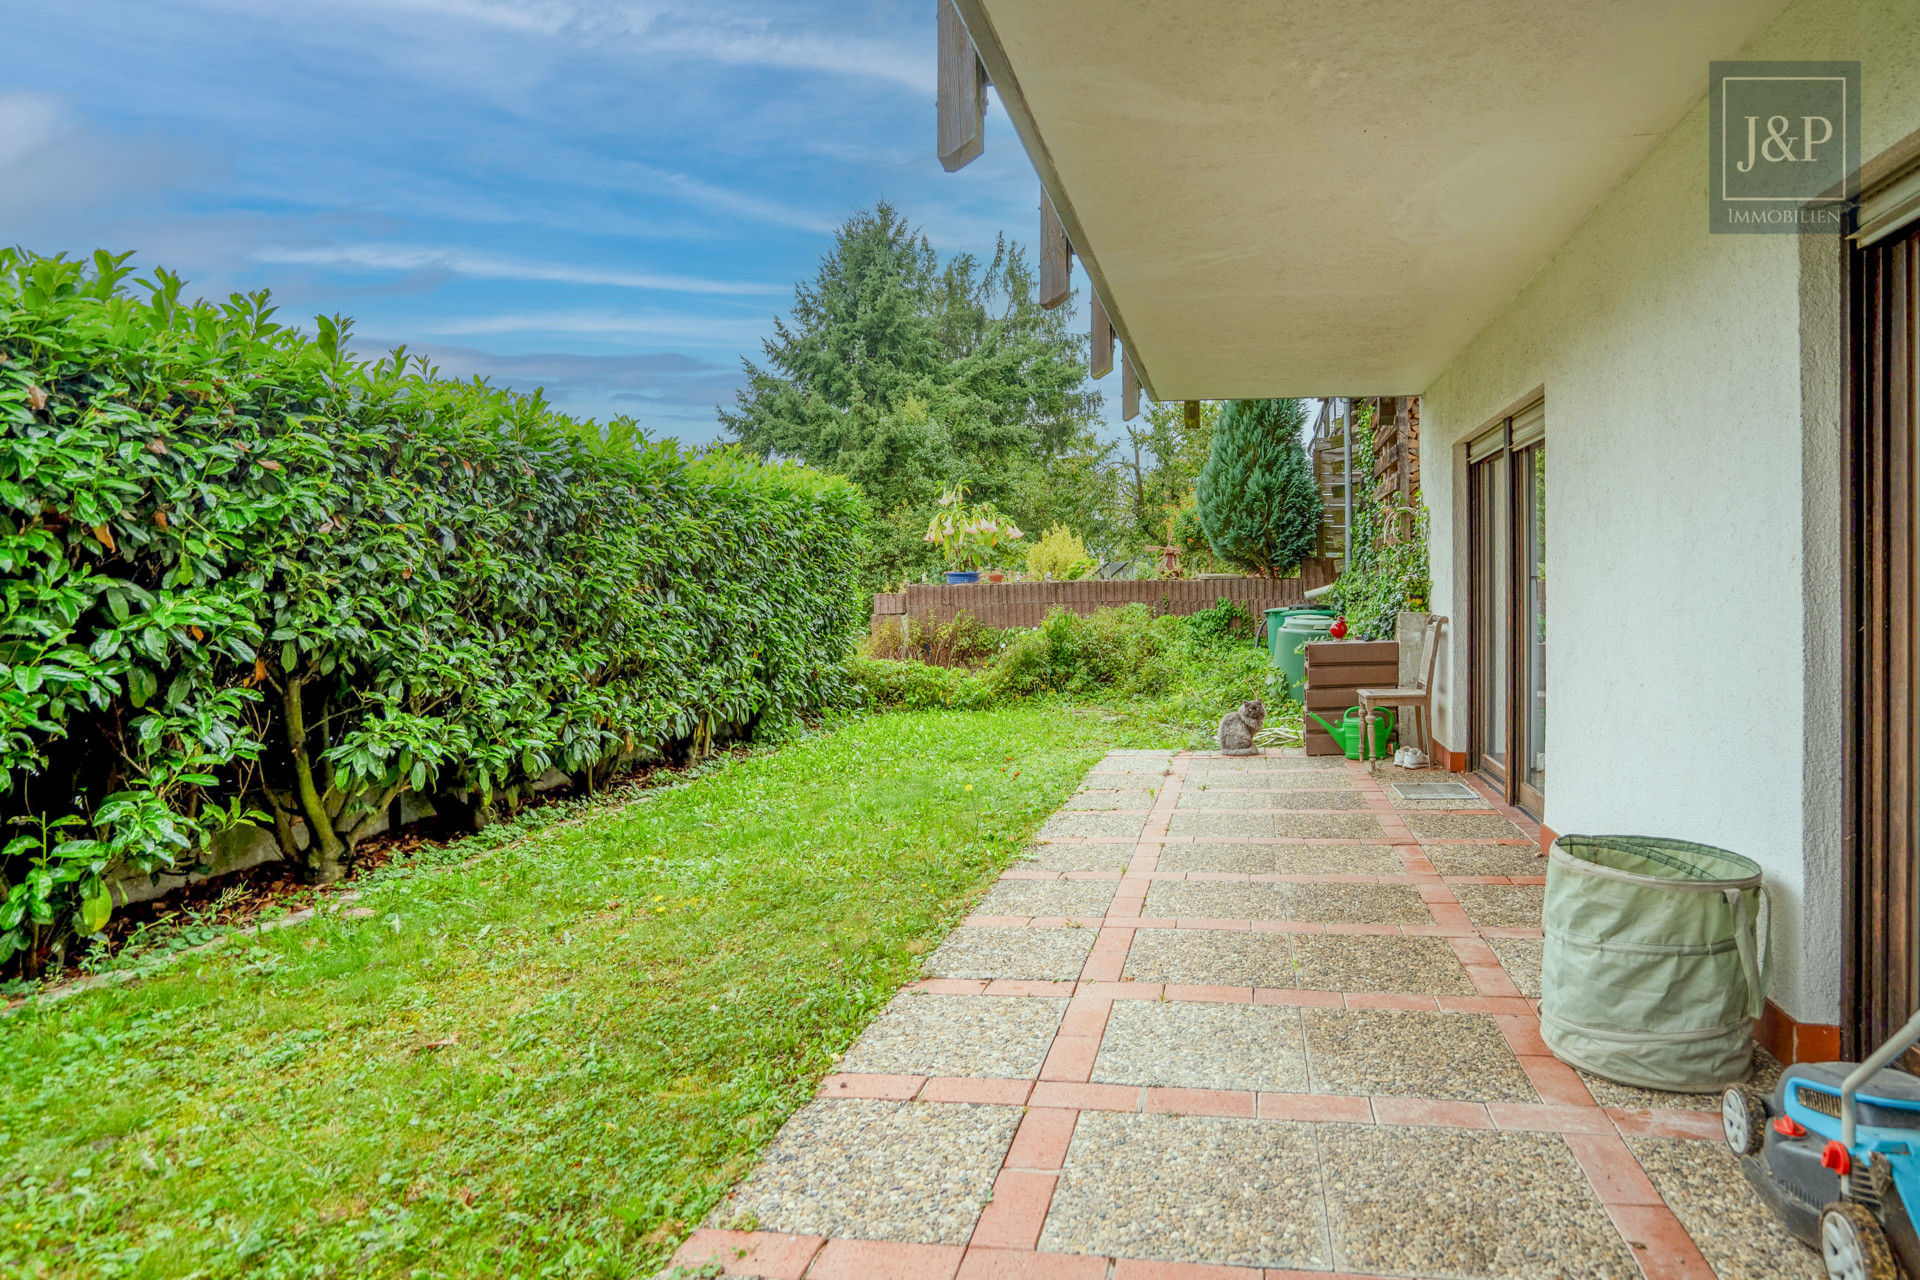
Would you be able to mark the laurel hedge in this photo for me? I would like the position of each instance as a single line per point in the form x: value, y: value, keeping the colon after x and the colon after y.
x: 248, y: 576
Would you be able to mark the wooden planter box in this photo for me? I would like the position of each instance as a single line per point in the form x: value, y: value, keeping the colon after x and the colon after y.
x: 1335, y: 670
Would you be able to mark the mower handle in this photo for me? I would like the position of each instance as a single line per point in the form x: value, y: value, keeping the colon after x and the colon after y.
x: 1895, y: 1045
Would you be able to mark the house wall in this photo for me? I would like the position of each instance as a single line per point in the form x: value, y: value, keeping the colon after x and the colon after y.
x: 1693, y: 498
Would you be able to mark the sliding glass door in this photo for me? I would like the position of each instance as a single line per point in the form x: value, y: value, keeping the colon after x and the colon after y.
x: 1880, y: 871
x: 1492, y: 607
x: 1530, y: 493
x: 1507, y: 523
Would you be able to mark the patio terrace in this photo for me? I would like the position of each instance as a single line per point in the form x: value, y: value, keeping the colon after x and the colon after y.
x: 1235, y: 1017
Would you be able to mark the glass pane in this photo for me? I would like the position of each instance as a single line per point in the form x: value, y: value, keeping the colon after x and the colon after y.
x: 1492, y: 612
x: 1532, y: 468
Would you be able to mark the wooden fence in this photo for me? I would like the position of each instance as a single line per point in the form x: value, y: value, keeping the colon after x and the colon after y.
x: 1026, y: 604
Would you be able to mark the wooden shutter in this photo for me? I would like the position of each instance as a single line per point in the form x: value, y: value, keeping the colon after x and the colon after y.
x: 1129, y: 389
x: 1055, y: 263
x: 962, y: 92
x: 1879, y: 984
x: 1100, y: 361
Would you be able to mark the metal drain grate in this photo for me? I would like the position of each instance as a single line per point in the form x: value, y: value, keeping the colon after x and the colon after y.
x: 1434, y: 791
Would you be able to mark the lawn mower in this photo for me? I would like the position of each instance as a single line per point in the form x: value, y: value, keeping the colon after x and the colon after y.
x: 1832, y: 1152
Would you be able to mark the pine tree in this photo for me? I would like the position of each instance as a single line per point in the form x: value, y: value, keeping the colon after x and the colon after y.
x: 907, y: 374
x: 1256, y: 496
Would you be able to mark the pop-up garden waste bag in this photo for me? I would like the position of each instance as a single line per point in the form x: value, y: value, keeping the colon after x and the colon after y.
x: 1653, y: 969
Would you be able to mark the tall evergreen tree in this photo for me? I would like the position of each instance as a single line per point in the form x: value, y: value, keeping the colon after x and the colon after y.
x: 907, y: 375
x: 1256, y: 496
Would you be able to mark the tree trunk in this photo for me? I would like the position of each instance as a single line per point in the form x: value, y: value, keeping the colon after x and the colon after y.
x: 326, y: 855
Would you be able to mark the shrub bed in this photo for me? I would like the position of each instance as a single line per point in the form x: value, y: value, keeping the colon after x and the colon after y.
x: 1177, y: 673
x: 247, y: 575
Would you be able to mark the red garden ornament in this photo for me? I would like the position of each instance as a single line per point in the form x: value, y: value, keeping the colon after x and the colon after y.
x: 1339, y: 629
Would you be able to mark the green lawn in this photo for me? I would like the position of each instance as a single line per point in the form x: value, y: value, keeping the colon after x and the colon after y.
x: 550, y: 1062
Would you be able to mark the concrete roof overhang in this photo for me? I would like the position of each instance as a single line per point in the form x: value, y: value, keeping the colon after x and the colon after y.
x: 1290, y: 198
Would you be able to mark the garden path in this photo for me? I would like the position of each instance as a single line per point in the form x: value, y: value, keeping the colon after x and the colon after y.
x: 1235, y: 1017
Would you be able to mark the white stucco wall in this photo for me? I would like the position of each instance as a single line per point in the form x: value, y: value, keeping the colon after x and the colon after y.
x: 1693, y: 487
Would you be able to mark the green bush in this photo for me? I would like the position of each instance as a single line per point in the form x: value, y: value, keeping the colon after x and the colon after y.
x: 247, y: 573
x: 1125, y: 650
x: 1225, y: 623
x: 1176, y: 674
x: 962, y: 642
x: 892, y: 684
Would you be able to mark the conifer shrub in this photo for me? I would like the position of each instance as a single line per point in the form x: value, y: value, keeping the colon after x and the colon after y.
x: 245, y: 575
x: 1256, y: 499
x: 1060, y: 554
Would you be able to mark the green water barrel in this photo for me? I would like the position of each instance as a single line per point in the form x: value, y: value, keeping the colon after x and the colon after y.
x: 1287, y: 631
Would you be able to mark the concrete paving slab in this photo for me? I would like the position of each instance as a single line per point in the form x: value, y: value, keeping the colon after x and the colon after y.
x: 1190, y: 1189
x: 1101, y: 826
x: 1739, y: 1237
x: 921, y: 1034
x: 1189, y: 823
x: 1098, y: 799
x: 1283, y: 859
x: 1486, y: 860
x: 1310, y: 903
x: 1264, y: 800
x: 1041, y: 955
x: 1047, y: 855
x: 1520, y: 957
x: 1434, y: 1173
x: 1462, y: 826
x: 1456, y: 1057
x: 1202, y: 1046
x: 1465, y: 1203
x: 1766, y: 1073
x: 1361, y: 962
x: 1493, y: 906
x: 1211, y: 958
x: 1328, y: 826
x: 1265, y: 765
x: 1280, y: 780
x: 1077, y: 899
x: 908, y: 1171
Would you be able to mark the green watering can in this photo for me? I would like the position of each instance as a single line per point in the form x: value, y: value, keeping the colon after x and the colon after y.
x: 1350, y: 730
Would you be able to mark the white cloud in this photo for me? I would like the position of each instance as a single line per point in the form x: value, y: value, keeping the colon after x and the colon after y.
x: 55, y: 167
x: 791, y: 38
x: 483, y: 266
x: 28, y: 121
x: 758, y: 43
x: 730, y: 201
x: 683, y: 330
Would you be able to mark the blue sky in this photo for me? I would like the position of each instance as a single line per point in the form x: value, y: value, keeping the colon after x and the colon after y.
x: 608, y: 199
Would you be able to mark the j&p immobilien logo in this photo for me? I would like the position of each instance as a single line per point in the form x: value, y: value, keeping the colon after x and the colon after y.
x: 1785, y: 146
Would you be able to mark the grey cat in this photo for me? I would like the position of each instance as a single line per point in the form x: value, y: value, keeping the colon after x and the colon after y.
x: 1238, y: 727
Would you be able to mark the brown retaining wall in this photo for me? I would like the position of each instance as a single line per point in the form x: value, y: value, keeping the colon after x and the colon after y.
x: 1026, y: 604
